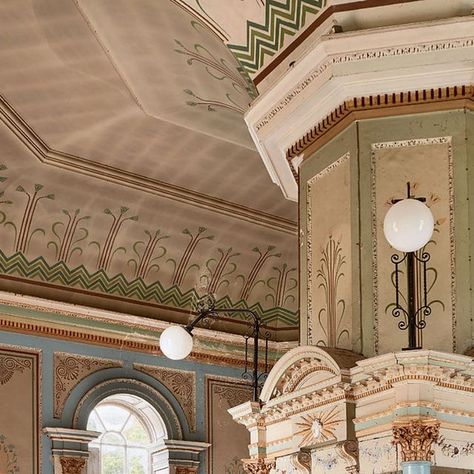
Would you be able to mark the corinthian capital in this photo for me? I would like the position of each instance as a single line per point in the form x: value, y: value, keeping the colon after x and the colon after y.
x: 258, y: 466
x: 71, y: 465
x: 415, y: 438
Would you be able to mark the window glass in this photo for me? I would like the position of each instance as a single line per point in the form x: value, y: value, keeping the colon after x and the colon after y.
x: 124, y: 447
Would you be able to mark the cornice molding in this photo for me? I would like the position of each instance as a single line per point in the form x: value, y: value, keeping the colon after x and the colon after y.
x: 47, y: 155
x: 125, y: 331
x: 357, y: 108
x: 334, y: 69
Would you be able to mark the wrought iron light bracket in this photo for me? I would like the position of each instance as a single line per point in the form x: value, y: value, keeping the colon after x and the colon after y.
x: 416, y: 306
x: 206, y: 309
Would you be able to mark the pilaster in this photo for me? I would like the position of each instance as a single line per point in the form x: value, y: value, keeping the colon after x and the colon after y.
x: 177, y: 456
x: 70, y: 449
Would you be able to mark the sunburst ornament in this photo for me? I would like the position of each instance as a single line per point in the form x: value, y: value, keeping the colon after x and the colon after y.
x: 318, y: 427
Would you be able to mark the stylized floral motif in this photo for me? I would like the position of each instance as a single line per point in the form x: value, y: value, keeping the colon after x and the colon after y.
x: 108, y: 249
x: 459, y: 448
x: 250, y: 281
x: 232, y: 396
x: 69, y: 370
x: 235, y: 467
x: 8, y: 457
x: 68, y: 235
x: 9, y: 365
x: 145, y: 260
x: 220, y: 70
x: 330, y: 273
x: 25, y: 233
x: 181, y: 383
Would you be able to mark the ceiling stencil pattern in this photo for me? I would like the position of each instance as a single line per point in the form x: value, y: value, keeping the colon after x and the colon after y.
x: 283, y: 18
x: 105, y: 247
x: 254, y: 30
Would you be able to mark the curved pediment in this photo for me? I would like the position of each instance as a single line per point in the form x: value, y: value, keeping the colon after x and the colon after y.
x: 306, y: 366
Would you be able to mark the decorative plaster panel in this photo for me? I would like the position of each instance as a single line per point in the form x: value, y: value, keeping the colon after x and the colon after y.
x: 228, y: 440
x: 328, y: 256
x: 20, y: 417
x: 70, y: 370
x: 181, y: 383
x: 428, y: 165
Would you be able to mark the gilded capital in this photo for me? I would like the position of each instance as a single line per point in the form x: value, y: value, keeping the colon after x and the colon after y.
x: 415, y: 439
x: 72, y: 465
x: 258, y: 465
x: 186, y: 470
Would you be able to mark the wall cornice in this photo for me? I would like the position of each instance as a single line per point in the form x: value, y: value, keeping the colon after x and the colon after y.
x: 380, y: 105
x: 39, y: 317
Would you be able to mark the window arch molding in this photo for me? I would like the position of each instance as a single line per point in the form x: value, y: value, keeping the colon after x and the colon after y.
x: 134, y: 387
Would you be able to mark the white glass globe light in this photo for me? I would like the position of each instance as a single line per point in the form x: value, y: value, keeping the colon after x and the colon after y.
x: 408, y: 225
x: 176, y: 343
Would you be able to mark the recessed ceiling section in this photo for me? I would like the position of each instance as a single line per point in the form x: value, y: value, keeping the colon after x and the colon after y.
x: 174, y: 66
x: 106, y: 82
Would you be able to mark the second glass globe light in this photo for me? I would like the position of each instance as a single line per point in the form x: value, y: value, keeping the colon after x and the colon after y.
x: 408, y: 225
x: 176, y: 343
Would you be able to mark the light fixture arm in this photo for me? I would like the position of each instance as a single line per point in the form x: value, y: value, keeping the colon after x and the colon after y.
x: 416, y: 306
x: 257, y: 322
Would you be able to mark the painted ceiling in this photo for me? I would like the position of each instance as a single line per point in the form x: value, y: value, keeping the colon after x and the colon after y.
x: 128, y: 178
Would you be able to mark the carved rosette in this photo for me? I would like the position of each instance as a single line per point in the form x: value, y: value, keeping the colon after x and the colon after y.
x: 415, y: 439
x: 258, y: 466
x: 71, y: 465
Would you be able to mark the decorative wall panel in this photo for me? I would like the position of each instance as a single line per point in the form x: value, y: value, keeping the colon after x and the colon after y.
x: 20, y: 414
x: 69, y: 370
x: 229, y: 441
x: 329, y: 284
x: 427, y: 165
x: 181, y: 383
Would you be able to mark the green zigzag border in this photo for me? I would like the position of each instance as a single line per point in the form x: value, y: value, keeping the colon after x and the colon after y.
x: 281, y: 18
x: 99, y: 281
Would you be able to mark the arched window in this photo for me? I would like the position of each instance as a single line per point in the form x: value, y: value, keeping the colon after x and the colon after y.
x: 130, y: 429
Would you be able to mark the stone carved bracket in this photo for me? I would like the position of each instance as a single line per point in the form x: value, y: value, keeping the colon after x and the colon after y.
x: 415, y: 438
x: 258, y: 466
x: 71, y: 465
x: 349, y: 452
x: 181, y: 383
x: 69, y: 370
